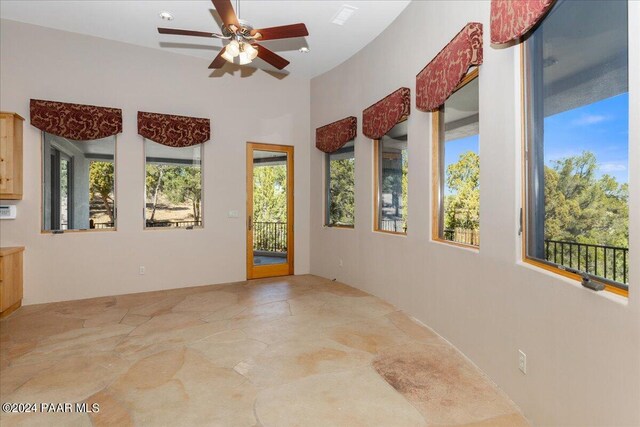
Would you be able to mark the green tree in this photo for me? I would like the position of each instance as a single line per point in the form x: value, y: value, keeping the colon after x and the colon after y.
x: 580, y: 207
x: 342, y: 188
x: 101, y: 184
x: 270, y: 193
x: 462, y: 206
x: 405, y: 186
x: 184, y: 184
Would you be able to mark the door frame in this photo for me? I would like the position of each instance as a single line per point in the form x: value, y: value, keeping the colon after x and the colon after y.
x: 273, y: 270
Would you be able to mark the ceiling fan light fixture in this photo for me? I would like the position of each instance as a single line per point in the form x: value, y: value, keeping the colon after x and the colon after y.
x: 233, y: 48
x: 250, y: 50
x: 244, y: 58
x: 227, y: 56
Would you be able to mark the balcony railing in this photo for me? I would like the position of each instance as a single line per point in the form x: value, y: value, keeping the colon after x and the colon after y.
x: 175, y: 224
x: 467, y: 236
x: 608, y: 262
x: 395, y: 225
x: 100, y: 225
x: 270, y: 236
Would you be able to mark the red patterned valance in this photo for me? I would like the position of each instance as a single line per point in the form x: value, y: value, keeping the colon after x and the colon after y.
x: 75, y: 121
x: 378, y: 119
x: 438, y: 80
x: 174, y: 131
x: 332, y: 137
x: 513, y: 19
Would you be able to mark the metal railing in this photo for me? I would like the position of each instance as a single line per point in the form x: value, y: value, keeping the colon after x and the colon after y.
x: 175, y: 224
x: 608, y: 262
x: 395, y: 225
x: 100, y: 225
x: 270, y: 236
x: 467, y: 236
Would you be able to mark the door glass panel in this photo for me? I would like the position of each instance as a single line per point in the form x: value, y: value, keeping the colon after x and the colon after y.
x: 269, y: 208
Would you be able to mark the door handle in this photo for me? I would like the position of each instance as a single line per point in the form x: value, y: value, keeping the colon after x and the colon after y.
x: 249, y: 223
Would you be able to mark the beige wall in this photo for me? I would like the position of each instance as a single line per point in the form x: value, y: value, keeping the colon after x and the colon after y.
x: 583, y: 348
x: 49, y: 64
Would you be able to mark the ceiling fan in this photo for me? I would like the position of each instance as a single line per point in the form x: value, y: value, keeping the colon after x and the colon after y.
x: 243, y: 38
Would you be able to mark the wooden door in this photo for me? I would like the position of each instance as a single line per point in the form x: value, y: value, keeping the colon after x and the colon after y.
x: 269, y: 221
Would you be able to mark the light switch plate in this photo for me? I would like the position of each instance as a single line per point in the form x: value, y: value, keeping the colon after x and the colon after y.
x: 233, y: 214
x: 8, y: 212
x: 522, y: 361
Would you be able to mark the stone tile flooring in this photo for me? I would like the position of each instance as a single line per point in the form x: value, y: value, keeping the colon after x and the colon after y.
x: 293, y: 351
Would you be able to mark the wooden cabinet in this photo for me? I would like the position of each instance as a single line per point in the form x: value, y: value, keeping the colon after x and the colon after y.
x: 10, y: 279
x: 10, y: 156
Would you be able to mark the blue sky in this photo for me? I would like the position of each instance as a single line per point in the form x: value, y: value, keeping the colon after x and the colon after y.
x: 601, y: 127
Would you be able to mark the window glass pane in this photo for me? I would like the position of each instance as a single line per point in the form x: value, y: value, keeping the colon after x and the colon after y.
x: 65, y: 175
x: 341, y: 186
x: 393, y: 183
x: 270, y: 237
x: 78, y: 183
x: 460, y: 163
x: 173, y: 186
x: 578, y: 122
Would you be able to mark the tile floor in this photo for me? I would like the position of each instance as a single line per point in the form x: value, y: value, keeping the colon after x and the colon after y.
x: 293, y: 351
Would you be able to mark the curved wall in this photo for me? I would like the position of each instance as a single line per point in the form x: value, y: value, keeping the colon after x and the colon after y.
x: 583, y: 348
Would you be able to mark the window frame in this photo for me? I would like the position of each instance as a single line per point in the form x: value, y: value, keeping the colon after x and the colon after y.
x: 377, y: 174
x: 524, y: 205
x: 57, y: 157
x: 144, y: 192
x: 72, y: 171
x: 327, y: 192
x: 437, y: 171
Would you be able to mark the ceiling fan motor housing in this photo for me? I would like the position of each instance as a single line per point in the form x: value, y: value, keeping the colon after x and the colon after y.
x: 242, y: 34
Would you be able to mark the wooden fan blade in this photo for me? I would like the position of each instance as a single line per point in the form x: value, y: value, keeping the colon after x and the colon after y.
x: 185, y: 32
x: 272, y: 58
x: 219, y: 61
x: 282, y: 32
x: 226, y: 12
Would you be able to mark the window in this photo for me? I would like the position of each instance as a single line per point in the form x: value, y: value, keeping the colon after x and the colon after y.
x: 391, y: 180
x: 577, y: 123
x: 78, y: 184
x: 173, y: 182
x: 456, y: 166
x: 340, y: 187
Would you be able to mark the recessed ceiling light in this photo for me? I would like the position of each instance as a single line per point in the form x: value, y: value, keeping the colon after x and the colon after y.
x: 166, y: 16
x: 343, y: 14
x: 304, y: 49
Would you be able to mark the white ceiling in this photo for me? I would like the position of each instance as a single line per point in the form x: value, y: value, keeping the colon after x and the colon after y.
x: 136, y: 22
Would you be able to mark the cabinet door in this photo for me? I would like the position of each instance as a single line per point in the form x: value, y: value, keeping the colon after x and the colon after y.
x: 6, y: 154
x: 2, y: 280
x: 11, y: 285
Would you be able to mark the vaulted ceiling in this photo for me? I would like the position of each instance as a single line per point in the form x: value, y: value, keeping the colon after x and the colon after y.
x: 136, y: 22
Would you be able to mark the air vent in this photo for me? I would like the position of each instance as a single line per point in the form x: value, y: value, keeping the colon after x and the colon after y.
x: 343, y: 14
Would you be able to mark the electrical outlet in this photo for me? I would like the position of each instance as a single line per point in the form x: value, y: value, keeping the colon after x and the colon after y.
x: 522, y: 361
x: 142, y: 270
